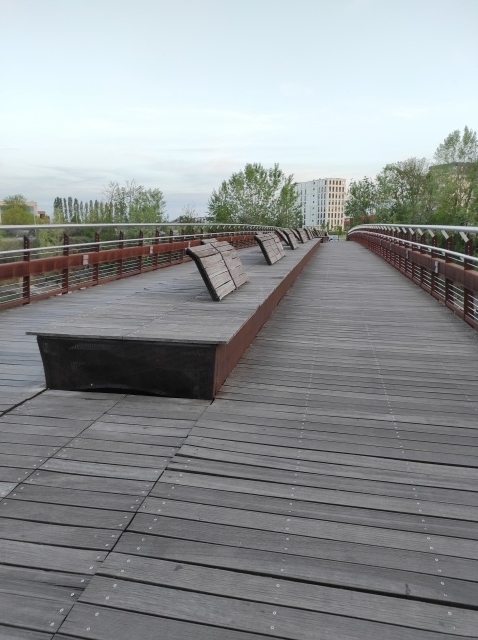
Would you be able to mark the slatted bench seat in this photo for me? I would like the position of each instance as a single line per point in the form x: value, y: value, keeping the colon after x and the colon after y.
x: 271, y: 246
x: 219, y: 266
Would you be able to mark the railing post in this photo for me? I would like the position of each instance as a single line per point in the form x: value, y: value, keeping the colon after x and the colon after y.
x: 448, y: 242
x: 154, y: 243
x: 26, y: 284
x: 119, y: 270
x: 96, y: 266
x: 412, y: 249
x: 433, y: 277
x: 468, y: 295
x: 65, y: 278
x: 171, y: 234
x: 140, y: 257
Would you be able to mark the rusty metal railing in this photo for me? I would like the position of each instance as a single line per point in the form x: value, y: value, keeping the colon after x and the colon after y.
x: 441, y: 260
x: 49, y: 260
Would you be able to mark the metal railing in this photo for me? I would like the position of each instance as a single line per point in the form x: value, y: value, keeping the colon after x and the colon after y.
x: 67, y: 261
x: 441, y: 260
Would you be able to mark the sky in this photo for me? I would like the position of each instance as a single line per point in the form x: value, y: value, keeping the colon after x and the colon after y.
x: 179, y: 94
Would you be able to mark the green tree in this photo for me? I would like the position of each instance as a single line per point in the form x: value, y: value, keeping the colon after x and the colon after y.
x: 361, y: 203
x: 15, y: 210
x: 256, y: 195
x: 403, y: 190
x: 455, y: 172
x: 147, y: 205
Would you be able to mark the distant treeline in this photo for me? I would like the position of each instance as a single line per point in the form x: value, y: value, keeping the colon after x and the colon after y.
x: 128, y: 203
x: 419, y: 191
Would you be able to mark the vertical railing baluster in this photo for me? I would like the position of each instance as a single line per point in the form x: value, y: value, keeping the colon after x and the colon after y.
x: 26, y: 282
x: 65, y: 276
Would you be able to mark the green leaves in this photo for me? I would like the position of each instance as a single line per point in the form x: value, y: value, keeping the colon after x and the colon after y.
x: 417, y: 192
x: 256, y: 195
x: 15, y: 210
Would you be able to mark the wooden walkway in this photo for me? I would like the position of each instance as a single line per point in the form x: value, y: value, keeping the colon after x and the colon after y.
x: 329, y: 492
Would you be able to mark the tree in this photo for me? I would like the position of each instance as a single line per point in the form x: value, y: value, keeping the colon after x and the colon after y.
x: 15, y: 210
x: 361, y: 203
x: 456, y: 175
x: 58, y: 213
x: 256, y: 195
x: 147, y: 205
x: 402, y: 191
x: 134, y: 203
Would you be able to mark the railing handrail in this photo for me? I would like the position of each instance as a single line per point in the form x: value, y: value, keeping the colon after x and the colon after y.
x: 120, y: 225
x: 425, y: 227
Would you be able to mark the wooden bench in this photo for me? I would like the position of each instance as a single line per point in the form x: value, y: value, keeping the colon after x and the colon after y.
x: 219, y: 266
x: 271, y: 246
x: 166, y: 337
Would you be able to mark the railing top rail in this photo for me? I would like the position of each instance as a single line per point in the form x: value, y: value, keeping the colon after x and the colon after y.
x: 425, y: 227
x: 121, y: 225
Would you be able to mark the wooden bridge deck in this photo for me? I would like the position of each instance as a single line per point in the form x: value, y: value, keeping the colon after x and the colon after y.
x: 329, y: 492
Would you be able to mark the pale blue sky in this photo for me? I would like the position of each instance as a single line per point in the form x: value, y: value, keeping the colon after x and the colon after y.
x: 179, y: 94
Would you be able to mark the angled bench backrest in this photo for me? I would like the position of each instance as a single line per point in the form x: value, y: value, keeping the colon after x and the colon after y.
x: 282, y: 236
x: 233, y: 262
x: 271, y: 246
x: 309, y: 233
x: 291, y: 238
x: 303, y: 237
x: 219, y: 266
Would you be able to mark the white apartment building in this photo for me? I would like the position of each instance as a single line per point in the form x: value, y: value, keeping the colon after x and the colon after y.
x: 322, y: 202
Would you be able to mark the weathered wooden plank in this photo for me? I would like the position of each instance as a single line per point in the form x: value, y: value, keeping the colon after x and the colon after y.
x: 63, y: 535
x: 294, y: 525
x: 231, y: 613
x: 114, y: 624
x: 362, y: 554
x: 14, y: 633
x: 304, y: 568
x: 37, y: 614
x: 104, y: 470
x: 76, y: 497
x: 64, y: 514
x: 72, y: 581
x: 90, y: 482
x: 318, y: 474
x: 199, y: 490
x: 103, y: 456
x: 49, y: 558
x: 409, y: 613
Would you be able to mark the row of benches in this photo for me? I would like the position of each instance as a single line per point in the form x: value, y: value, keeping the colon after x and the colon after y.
x: 221, y: 268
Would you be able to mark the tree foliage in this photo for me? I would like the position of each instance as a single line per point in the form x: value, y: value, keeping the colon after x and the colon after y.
x: 134, y: 203
x: 15, y: 210
x: 256, y: 195
x: 417, y: 191
x: 125, y: 203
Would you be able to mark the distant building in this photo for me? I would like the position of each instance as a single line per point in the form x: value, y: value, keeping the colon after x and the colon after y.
x: 322, y: 202
x: 32, y: 206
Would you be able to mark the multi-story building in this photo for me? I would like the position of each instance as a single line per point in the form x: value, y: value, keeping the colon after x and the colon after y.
x: 322, y: 202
